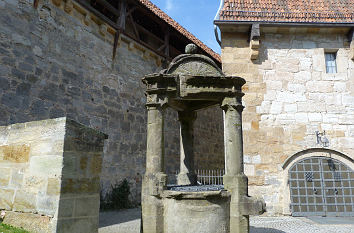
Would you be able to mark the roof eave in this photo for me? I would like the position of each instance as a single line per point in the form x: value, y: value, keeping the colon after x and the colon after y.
x: 297, y: 24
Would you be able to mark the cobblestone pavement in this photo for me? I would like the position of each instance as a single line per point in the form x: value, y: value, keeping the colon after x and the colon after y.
x: 297, y: 225
x: 128, y: 221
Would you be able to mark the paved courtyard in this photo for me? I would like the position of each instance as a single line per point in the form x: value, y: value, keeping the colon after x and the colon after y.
x: 128, y: 221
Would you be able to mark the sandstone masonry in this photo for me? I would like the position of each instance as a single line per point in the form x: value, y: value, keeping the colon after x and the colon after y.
x: 288, y: 97
x: 51, y: 175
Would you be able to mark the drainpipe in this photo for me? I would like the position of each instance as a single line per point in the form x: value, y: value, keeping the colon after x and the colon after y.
x: 217, y: 16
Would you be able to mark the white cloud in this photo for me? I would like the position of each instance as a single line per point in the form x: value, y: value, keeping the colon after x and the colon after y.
x: 169, y: 5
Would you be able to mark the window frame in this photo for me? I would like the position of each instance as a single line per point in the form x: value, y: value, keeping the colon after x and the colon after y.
x: 331, y: 62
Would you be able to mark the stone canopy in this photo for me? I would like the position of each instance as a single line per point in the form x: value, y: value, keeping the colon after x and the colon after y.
x: 191, y: 82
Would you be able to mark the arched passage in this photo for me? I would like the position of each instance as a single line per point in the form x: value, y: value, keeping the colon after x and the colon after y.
x: 321, y: 182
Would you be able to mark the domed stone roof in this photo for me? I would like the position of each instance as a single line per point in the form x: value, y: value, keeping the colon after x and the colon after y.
x: 193, y: 64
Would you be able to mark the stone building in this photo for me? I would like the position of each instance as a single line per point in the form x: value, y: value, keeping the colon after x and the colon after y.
x: 85, y: 60
x: 298, y: 122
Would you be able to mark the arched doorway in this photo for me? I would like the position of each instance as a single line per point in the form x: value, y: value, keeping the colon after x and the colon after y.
x: 321, y: 186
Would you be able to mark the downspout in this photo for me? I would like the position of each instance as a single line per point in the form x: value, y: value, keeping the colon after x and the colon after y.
x: 217, y: 16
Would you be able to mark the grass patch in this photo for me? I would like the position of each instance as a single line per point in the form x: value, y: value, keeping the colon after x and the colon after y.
x: 10, y: 229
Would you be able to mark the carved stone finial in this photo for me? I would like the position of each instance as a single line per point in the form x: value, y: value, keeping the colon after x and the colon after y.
x: 191, y: 49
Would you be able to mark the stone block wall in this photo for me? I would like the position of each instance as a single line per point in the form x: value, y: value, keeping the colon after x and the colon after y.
x: 55, y: 64
x: 51, y: 168
x: 288, y: 97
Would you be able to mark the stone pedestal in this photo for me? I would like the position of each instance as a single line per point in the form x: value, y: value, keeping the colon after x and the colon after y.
x: 235, y: 181
x: 187, y: 174
x: 55, y: 168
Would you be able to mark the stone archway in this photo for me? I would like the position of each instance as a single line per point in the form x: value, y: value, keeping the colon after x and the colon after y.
x: 320, y: 182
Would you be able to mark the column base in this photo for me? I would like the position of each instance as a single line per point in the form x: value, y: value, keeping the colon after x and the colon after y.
x: 187, y: 179
x: 236, y: 182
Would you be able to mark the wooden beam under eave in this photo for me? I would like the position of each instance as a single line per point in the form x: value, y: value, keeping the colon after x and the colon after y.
x: 136, y: 32
x: 120, y: 25
x: 167, y: 43
x: 35, y: 4
x: 109, y: 7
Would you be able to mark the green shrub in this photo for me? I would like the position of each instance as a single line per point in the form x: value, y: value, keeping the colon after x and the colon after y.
x: 117, y: 198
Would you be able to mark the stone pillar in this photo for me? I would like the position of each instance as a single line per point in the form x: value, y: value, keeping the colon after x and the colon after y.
x: 155, y: 140
x: 187, y: 174
x: 233, y: 136
x: 234, y: 180
x: 50, y: 175
x: 154, y: 179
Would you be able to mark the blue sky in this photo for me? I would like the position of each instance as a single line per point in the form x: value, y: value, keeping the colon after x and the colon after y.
x: 195, y: 15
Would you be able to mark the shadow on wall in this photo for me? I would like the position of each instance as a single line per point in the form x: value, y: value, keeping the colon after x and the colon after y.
x: 110, y: 218
x: 264, y: 230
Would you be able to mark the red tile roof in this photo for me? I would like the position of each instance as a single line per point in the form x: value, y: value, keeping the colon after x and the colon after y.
x: 289, y: 11
x: 157, y: 11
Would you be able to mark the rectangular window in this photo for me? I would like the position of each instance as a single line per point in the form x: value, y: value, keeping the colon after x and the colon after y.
x: 331, y: 67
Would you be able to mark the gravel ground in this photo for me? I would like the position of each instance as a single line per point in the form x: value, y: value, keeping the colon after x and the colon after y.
x: 128, y: 221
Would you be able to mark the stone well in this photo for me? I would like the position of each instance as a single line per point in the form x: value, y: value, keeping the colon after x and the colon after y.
x: 193, y: 82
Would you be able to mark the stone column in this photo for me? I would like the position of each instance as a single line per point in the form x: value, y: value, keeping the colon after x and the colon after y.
x: 155, y: 140
x: 154, y: 179
x: 187, y: 174
x: 234, y: 180
x: 233, y: 136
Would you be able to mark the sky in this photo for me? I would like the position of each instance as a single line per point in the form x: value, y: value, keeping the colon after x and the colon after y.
x: 196, y: 16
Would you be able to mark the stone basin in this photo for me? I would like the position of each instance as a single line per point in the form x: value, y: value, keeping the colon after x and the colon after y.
x: 191, y: 209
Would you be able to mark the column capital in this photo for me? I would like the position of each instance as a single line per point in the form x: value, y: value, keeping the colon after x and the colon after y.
x: 232, y: 102
x: 187, y: 115
x: 156, y: 101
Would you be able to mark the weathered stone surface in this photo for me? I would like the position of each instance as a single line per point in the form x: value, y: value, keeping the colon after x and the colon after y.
x: 32, y: 222
x: 84, y: 225
x: 87, y: 206
x: 47, y: 205
x: 46, y: 165
x: 53, y: 187
x: 197, y: 216
x: 34, y: 184
x: 96, y: 165
x: 24, y: 202
x: 6, y: 198
x: 5, y: 177
x: 40, y: 184
x: 15, y: 153
x: 66, y: 207
x: 17, y: 178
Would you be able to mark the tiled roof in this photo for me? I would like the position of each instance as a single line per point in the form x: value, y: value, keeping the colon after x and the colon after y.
x: 289, y: 11
x: 157, y: 11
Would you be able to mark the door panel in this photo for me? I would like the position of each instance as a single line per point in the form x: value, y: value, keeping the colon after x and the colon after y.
x: 321, y: 186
